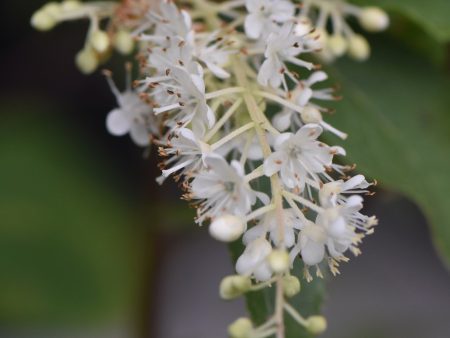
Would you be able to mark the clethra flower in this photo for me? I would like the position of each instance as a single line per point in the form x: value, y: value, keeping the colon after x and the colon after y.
x: 133, y: 116
x: 187, y: 151
x: 283, y: 46
x: 253, y: 261
x: 338, y: 229
x: 169, y: 22
x: 330, y: 193
x: 269, y: 223
x: 300, y: 156
x: 222, y: 188
x: 264, y: 15
x: 305, y: 96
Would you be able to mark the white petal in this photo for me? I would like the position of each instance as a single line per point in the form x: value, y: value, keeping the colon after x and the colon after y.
x: 304, y: 96
x: 316, y: 77
x: 282, y: 120
x: 273, y: 164
x: 313, y: 253
x: 139, y: 135
x: 253, y: 26
x: 117, y: 123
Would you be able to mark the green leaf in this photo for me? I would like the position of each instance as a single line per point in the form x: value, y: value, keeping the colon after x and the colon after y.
x: 69, y: 250
x: 430, y: 14
x: 260, y: 304
x: 396, y: 109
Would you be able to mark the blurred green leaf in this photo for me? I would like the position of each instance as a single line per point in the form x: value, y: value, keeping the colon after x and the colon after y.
x: 396, y: 109
x: 431, y: 14
x: 260, y: 304
x: 68, y: 249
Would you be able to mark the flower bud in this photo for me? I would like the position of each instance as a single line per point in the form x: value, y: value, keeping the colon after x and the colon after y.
x: 240, y: 328
x: 337, y: 45
x: 358, y: 48
x: 123, y: 42
x: 278, y: 261
x: 43, y: 21
x: 373, y: 19
x: 234, y: 286
x: 291, y: 286
x: 227, y: 228
x: 99, y: 40
x: 86, y: 60
x: 316, y: 324
x: 311, y: 114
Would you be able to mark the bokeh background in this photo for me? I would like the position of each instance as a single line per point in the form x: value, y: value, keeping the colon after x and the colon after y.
x: 91, y: 246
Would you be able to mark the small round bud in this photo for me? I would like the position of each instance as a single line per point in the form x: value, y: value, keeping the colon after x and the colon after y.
x: 358, y: 48
x: 316, y: 324
x: 240, y: 328
x: 43, y: 21
x: 337, y: 45
x: 234, y: 286
x: 291, y: 286
x: 311, y: 114
x: 86, y: 60
x: 278, y: 261
x: 99, y: 40
x: 227, y: 228
x: 123, y: 42
x: 70, y: 5
x: 373, y: 19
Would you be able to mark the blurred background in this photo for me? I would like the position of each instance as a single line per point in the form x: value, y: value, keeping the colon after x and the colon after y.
x: 91, y: 246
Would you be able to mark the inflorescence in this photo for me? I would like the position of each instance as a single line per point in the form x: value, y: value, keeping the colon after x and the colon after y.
x: 226, y: 95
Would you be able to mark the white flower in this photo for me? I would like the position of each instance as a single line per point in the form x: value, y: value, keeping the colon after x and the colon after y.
x: 222, y: 188
x: 187, y: 151
x: 302, y: 95
x: 269, y: 223
x: 299, y: 156
x: 330, y: 193
x: 336, y: 229
x: 210, y: 50
x: 253, y: 261
x: 170, y: 22
x: 283, y: 46
x: 264, y: 15
x: 187, y: 91
x: 133, y: 116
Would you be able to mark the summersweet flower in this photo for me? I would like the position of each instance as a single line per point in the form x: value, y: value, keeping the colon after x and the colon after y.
x: 264, y: 15
x: 133, y: 116
x: 222, y: 189
x: 253, y: 261
x: 299, y: 156
x: 283, y: 46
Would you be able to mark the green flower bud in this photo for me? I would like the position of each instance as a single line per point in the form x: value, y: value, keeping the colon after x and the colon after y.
x: 234, y: 286
x: 373, y: 19
x: 291, y: 286
x: 43, y: 21
x: 278, y: 261
x: 241, y: 328
x: 99, y: 40
x: 316, y: 324
x: 358, y: 48
x: 87, y: 60
x: 123, y: 42
x: 337, y: 45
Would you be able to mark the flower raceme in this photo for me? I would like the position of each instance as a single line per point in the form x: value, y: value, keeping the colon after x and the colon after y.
x: 225, y: 93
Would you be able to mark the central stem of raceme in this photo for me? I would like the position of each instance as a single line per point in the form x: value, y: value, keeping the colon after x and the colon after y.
x: 260, y: 120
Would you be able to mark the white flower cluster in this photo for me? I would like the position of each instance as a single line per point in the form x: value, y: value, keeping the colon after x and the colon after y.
x: 220, y: 92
